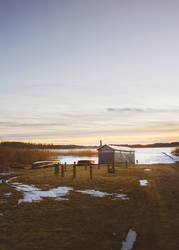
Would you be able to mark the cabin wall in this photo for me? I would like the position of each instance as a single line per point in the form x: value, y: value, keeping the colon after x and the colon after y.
x: 106, y: 156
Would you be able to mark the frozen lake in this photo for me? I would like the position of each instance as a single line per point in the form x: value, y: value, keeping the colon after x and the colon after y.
x: 143, y: 155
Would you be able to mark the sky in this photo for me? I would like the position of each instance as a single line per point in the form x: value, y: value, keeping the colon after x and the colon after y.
x: 77, y: 71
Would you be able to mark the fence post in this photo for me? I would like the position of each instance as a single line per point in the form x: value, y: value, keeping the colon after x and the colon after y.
x: 74, y: 170
x: 91, y: 172
x: 65, y: 166
x: 62, y: 171
x: 126, y: 164
x: 113, y: 168
x: 56, y: 169
x: 108, y: 168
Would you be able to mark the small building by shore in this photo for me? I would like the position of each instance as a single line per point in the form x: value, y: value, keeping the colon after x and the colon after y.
x: 109, y: 154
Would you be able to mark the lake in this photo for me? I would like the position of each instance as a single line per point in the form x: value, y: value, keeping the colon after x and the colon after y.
x: 143, y: 155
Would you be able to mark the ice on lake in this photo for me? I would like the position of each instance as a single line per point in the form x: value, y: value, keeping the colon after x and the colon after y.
x: 143, y: 155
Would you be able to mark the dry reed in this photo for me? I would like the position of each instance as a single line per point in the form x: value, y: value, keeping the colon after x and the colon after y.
x: 9, y: 156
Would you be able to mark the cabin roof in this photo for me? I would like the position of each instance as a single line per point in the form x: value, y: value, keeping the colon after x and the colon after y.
x: 118, y: 148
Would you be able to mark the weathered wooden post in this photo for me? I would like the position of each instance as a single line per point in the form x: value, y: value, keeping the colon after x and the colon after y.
x: 108, y: 168
x: 56, y: 169
x: 113, y: 168
x: 91, y: 172
x: 74, y: 170
x: 65, y: 167
x: 62, y: 170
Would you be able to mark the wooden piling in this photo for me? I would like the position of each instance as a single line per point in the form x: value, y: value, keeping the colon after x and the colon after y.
x: 91, y: 172
x: 108, y: 168
x: 62, y: 171
x: 65, y: 167
x: 56, y: 169
x: 74, y: 170
x: 113, y: 167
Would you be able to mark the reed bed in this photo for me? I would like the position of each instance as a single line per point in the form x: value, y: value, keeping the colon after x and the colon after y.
x: 9, y: 156
x: 77, y: 153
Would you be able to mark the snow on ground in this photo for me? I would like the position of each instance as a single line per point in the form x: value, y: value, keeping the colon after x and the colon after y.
x: 130, y: 240
x: 143, y: 182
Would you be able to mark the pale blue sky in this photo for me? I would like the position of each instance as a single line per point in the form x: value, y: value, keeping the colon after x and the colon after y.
x: 75, y: 71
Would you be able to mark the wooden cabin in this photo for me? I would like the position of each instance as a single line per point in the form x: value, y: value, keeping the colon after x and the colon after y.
x: 109, y: 154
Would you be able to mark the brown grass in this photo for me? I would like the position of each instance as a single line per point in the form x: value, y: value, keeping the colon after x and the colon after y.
x: 77, y: 153
x: 85, y: 222
x: 9, y: 156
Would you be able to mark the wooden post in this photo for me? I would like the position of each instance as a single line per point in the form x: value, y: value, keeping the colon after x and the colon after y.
x: 74, y: 170
x: 113, y: 168
x: 108, y: 168
x: 91, y: 172
x: 126, y: 163
x: 56, y: 169
x: 62, y: 171
x: 65, y: 166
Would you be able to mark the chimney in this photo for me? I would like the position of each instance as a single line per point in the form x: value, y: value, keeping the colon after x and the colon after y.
x: 101, y: 143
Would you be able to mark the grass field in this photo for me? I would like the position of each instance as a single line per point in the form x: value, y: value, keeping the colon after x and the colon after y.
x: 87, y: 222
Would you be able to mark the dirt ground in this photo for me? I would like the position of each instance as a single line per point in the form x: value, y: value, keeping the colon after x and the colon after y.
x: 93, y: 223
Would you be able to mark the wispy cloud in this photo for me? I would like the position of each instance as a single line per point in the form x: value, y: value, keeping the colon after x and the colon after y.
x: 140, y: 110
x: 17, y: 124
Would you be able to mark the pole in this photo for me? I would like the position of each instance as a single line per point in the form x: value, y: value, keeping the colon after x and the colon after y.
x: 65, y: 166
x: 74, y: 170
x: 56, y: 169
x: 62, y: 171
x: 91, y: 172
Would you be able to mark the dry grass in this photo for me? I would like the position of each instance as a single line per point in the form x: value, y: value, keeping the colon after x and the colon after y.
x: 9, y: 156
x: 77, y: 153
x: 85, y: 222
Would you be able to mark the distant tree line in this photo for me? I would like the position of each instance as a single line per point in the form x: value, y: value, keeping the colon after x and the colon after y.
x: 153, y: 145
x: 29, y: 145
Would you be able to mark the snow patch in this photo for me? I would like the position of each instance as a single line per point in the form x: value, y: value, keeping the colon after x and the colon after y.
x: 97, y: 193
x: 10, y: 179
x: 32, y: 193
x: 93, y: 192
x: 130, y: 239
x: 8, y: 194
x: 143, y: 182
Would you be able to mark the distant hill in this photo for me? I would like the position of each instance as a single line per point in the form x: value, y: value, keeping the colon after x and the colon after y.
x: 153, y: 145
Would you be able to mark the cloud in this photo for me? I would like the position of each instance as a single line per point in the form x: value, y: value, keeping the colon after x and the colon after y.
x: 17, y: 124
x: 144, y: 110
